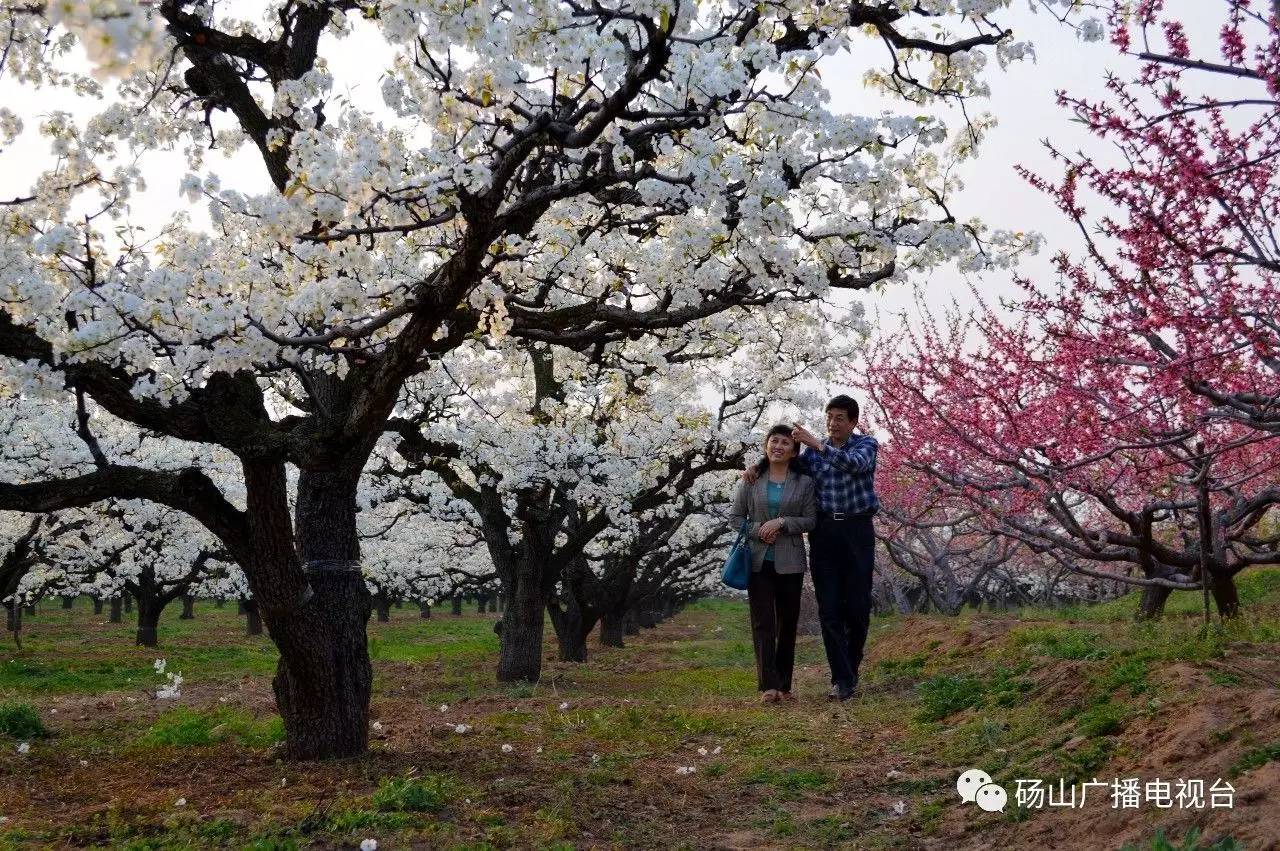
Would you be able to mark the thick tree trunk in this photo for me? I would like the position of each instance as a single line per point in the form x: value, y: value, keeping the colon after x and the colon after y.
x: 571, y: 630
x: 523, y: 618
x: 68, y: 602
x: 128, y: 603
x: 117, y: 609
x: 382, y: 605
x: 149, y: 610
x: 252, y: 618
x: 612, y: 630
x: 188, y: 608
x: 424, y: 609
x: 631, y: 623
x: 1152, y: 605
x: 12, y: 617
x: 324, y: 680
x: 1225, y: 595
x: 456, y: 604
x: 482, y: 602
x: 97, y: 605
x: 646, y: 618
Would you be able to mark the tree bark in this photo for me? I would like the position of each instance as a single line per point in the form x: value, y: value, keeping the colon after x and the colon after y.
x: 97, y: 605
x: 188, y: 608
x: 424, y: 610
x: 456, y: 604
x: 612, y: 630
x: 13, y: 617
x: 128, y: 603
x: 482, y: 602
x: 252, y: 618
x: 631, y: 623
x: 117, y: 609
x: 1225, y: 595
x: 571, y: 630
x: 324, y: 680
x: 149, y: 610
x: 382, y: 605
x: 523, y: 619
x: 68, y: 602
x: 1152, y: 605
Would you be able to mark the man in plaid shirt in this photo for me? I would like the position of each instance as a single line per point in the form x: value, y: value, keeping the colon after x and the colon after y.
x: 843, y: 545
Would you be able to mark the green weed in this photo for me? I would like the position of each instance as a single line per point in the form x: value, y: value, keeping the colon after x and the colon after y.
x: 1255, y: 758
x: 1060, y: 642
x: 185, y: 728
x: 21, y: 721
x: 429, y: 794
x: 1190, y: 842
x: 947, y: 694
x: 1103, y: 719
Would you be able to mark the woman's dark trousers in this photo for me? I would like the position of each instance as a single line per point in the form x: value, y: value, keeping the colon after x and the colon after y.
x: 775, y: 611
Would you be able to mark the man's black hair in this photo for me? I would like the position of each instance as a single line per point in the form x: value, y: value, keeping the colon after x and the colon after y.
x: 847, y: 404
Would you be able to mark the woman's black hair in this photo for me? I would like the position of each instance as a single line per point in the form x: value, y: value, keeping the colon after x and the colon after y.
x: 785, y: 431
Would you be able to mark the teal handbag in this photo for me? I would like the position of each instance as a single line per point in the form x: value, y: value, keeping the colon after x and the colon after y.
x: 737, y: 567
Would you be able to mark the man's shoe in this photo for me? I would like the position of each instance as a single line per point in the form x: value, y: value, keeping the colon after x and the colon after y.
x: 840, y: 692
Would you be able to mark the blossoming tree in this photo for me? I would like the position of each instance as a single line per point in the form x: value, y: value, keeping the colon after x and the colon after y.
x: 568, y: 173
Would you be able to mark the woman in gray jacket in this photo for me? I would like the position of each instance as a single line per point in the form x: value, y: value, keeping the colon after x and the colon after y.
x: 780, y: 506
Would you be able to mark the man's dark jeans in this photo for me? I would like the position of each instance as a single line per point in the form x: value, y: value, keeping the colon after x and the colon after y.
x: 843, y: 554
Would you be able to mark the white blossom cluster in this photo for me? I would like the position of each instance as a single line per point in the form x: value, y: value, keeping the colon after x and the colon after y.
x: 764, y: 189
x: 180, y: 303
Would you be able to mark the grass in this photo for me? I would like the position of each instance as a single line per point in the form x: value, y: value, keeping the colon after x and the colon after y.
x: 947, y: 694
x: 182, y: 727
x: 1190, y: 841
x: 1256, y: 587
x: 1042, y: 697
x: 1103, y: 719
x: 1255, y: 758
x: 21, y: 721
x: 1060, y: 642
x: 415, y: 795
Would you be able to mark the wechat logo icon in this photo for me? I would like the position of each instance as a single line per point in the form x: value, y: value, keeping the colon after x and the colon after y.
x: 975, y: 787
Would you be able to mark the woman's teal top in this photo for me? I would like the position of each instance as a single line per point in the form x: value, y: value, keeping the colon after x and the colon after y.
x: 775, y: 505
